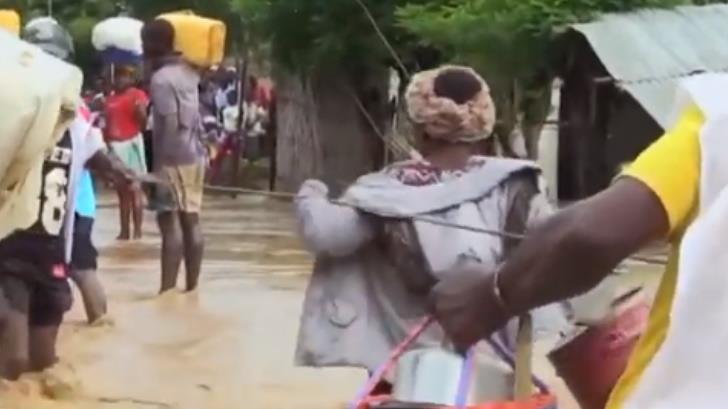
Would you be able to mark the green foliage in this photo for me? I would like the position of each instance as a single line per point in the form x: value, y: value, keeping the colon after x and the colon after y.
x: 507, y: 38
x: 512, y: 42
x: 80, y: 28
x: 80, y: 17
x: 64, y: 11
x: 305, y: 34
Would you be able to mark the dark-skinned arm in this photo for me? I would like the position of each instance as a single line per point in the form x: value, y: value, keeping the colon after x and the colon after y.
x: 140, y: 114
x: 577, y: 248
x: 567, y: 255
x: 572, y: 251
x: 110, y: 168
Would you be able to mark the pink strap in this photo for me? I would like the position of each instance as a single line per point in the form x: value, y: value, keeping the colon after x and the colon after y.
x: 388, y: 364
x: 465, y: 374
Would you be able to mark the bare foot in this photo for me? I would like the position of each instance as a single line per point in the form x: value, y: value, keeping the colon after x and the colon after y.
x: 61, y: 382
x: 123, y: 236
x: 103, y: 321
x: 137, y: 235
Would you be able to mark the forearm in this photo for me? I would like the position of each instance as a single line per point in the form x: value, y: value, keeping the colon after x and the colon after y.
x: 109, y: 167
x: 577, y: 248
x: 141, y: 118
x: 326, y: 228
x: 553, y: 264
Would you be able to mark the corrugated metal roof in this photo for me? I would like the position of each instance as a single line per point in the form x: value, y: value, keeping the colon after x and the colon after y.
x: 648, y: 49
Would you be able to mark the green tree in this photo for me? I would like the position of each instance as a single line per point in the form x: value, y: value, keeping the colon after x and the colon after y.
x: 78, y: 16
x: 331, y: 69
x: 511, y: 42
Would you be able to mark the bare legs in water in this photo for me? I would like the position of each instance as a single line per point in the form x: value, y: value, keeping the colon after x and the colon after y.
x: 181, y: 239
x: 131, y: 209
x: 26, y: 348
x: 92, y: 293
x: 29, y: 332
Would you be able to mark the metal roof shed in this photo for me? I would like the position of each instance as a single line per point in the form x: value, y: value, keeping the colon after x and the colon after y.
x: 620, y: 76
x: 648, y: 51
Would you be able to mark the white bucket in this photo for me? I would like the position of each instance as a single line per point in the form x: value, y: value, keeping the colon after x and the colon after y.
x: 433, y: 376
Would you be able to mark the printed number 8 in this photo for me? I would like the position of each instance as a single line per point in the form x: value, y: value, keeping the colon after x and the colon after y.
x: 54, y: 207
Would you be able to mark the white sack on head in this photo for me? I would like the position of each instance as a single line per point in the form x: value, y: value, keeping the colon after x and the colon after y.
x: 123, y: 33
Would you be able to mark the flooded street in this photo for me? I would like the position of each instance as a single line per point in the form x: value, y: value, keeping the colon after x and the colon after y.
x: 228, y: 347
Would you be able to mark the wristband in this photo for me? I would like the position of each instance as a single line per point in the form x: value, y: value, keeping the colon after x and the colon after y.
x: 498, y: 295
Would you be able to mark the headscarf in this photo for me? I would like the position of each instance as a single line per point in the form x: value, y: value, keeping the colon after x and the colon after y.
x: 443, y: 118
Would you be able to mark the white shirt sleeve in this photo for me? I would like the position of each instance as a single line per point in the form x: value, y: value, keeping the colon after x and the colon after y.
x: 87, y: 140
x: 93, y: 143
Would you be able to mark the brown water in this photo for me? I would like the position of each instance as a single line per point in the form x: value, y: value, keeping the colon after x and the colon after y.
x: 230, y: 346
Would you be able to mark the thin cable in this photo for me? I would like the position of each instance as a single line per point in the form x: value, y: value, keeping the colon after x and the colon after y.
x: 390, y: 142
x: 383, y: 37
x: 424, y: 219
x: 240, y: 190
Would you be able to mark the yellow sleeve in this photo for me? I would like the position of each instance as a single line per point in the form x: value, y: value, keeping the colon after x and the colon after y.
x: 671, y: 168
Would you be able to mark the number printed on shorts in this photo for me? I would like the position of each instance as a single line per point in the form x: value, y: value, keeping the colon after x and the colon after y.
x: 54, y: 206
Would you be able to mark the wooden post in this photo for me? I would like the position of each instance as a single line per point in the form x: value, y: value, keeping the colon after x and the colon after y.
x: 242, y: 67
x: 524, y: 350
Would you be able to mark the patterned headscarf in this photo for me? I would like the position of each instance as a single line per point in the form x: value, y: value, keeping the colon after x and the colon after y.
x: 443, y: 118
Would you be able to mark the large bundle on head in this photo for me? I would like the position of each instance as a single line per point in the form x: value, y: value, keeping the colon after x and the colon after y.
x: 119, y: 40
x: 10, y: 21
x: 200, y: 40
x: 38, y: 99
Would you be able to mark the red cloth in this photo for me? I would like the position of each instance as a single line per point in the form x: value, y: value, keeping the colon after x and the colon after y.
x: 84, y: 111
x: 121, y: 120
x: 263, y: 95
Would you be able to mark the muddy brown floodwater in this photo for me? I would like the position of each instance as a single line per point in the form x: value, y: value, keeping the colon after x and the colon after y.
x: 230, y: 346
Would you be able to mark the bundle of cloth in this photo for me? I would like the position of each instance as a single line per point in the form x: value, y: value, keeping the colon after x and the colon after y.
x: 118, y: 40
x: 386, y: 242
x: 38, y: 103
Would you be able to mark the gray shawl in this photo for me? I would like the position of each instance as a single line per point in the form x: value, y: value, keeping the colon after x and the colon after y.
x: 357, y: 305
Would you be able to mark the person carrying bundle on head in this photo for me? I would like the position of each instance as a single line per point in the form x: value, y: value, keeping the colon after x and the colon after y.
x: 376, y: 261
x: 37, y: 257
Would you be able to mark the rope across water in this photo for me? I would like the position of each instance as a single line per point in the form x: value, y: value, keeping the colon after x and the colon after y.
x: 425, y: 219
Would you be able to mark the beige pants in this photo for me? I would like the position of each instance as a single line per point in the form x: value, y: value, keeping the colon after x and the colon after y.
x: 185, y: 189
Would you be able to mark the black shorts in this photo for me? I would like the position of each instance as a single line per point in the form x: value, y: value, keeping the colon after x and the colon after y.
x: 43, y: 301
x: 84, y: 255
